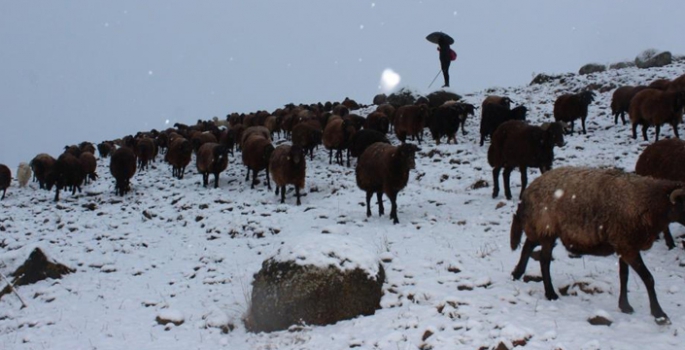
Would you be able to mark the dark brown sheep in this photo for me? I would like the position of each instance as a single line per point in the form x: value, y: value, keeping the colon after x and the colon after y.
x: 383, y: 168
x: 179, y: 155
x: 656, y: 107
x: 620, y: 101
x: 377, y: 121
x: 42, y: 165
x: 410, y: 120
x: 255, y: 130
x: 389, y: 111
x: 89, y: 164
x: 350, y: 104
x: 5, y: 179
x: 493, y: 115
x: 660, y: 84
x: 307, y: 136
x: 597, y: 212
x: 105, y: 148
x: 288, y: 167
x: 664, y: 159
x: 341, y: 110
x: 212, y: 158
x: 356, y: 120
x: 86, y: 146
x: 74, y: 150
x: 122, y: 166
x: 256, y: 154
x: 199, y: 139
x: 515, y: 144
x: 67, y: 173
x: 497, y: 100
x: 569, y: 107
x: 145, y: 150
x: 678, y: 84
x: 336, y: 136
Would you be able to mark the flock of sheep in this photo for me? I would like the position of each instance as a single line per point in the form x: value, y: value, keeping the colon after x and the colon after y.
x: 592, y: 211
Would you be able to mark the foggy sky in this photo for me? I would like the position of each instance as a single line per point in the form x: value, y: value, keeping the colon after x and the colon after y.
x: 72, y: 71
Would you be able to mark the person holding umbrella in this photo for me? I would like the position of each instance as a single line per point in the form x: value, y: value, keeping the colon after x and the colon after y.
x: 447, y: 55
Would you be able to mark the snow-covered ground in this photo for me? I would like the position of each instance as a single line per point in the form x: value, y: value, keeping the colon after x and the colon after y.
x: 175, y: 250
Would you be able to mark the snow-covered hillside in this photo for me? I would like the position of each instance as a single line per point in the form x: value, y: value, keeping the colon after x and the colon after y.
x: 174, y: 249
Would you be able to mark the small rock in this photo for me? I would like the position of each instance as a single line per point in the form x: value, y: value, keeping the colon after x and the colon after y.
x: 599, y: 320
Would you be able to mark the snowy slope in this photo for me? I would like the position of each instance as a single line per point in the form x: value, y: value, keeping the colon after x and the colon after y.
x: 174, y: 249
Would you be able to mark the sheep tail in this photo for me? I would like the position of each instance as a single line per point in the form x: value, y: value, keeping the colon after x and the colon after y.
x: 516, y: 228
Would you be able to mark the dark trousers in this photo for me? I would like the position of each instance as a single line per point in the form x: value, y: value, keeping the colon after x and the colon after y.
x: 445, y: 65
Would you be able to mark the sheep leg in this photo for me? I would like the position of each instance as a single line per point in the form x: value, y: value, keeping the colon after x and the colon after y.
x: 658, y: 129
x: 634, y: 126
x: 524, y: 179
x: 369, y: 194
x: 506, y: 175
x: 379, y: 198
x: 582, y: 122
x: 526, y: 251
x: 205, y: 179
x: 254, y: 178
x: 675, y: 130
x: 545, y: 261
x: 297, y: 194
x: 216, y: 180
x: 278, y: 188
x: 573, y: 124
x: 639, y: 266
x: 247, y: 175
x: 393, y: 210
x: 644, y: 131
x: 282, y: 193
x: 623, y: 303
x: 495, y: 181
x: 669, y: 238
x: 268, y: 181
x: 348, y: 157
x: 330, y: 156
x: 3, y: 193
x: 482, y: 139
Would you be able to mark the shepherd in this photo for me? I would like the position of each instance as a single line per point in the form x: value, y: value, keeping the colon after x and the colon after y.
x: 446, y: 54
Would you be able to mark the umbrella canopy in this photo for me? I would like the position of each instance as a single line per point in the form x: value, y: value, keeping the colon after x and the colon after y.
x: 436, y: 36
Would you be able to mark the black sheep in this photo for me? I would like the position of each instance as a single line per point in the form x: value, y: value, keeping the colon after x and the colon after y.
x: 446, y: 120
x: 361, y: 140
x: 493, y: 115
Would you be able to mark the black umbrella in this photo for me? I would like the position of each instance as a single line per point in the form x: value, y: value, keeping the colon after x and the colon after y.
x: 436, y: 36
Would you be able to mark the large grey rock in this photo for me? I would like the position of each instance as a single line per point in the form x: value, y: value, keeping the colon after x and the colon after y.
x: 621, y: 65
x: 380, y: 99
x: 652, y: 58
x: 437, y: 98
x: 402, y: 97
x: 592, y: 68
x: 315, y: 284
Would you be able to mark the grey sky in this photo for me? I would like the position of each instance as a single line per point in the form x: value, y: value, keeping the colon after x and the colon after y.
x: 92, y: 70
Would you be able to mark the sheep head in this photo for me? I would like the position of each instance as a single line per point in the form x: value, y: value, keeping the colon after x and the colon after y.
x: 406, y: 154
x: 554, y: 133
x: 296, y: 154
x: 587, y: 96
